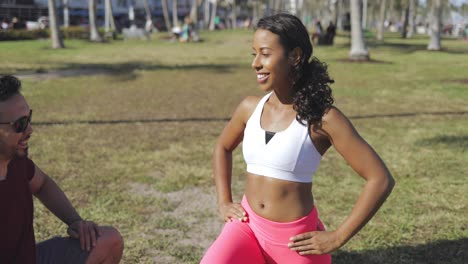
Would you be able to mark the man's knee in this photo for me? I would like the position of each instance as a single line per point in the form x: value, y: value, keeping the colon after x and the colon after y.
x: 111, y: 238
x: 109, y: 247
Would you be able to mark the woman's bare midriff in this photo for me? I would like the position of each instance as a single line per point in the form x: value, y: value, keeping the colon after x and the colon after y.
x: 278, y: 200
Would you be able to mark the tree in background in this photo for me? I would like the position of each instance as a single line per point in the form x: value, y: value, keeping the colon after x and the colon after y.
x: 404, y: 29
x: 109, y: 23
x: 194, y: 12
x: 381, y: 25
x: 435, y: 24
x: 166, y: 15
x: 175, y: 18
x: 149, y: 20
x: 213, y: 14
x: 66, y: 16
x: 233, y: 13
x: 57, y: 42
x: 94, y: 33
x: 358, y: 47
x: 413, y: 7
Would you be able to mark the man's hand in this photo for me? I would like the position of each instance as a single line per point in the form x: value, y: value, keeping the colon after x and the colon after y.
x: 86, y: 231
x: 316, y: 243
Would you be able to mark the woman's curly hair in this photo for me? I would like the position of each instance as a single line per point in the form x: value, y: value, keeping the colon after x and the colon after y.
x: 312, y: 93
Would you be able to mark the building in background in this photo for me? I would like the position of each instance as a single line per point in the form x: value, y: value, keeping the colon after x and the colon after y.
x: 32, y: 10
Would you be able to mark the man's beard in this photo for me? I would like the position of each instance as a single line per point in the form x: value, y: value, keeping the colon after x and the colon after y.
x: 24, y: 154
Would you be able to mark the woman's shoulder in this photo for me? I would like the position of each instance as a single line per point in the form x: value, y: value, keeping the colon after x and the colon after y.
x: 332, y: 113
x: 250, y: 102
x: 247, y: 106
x: 334, y: 120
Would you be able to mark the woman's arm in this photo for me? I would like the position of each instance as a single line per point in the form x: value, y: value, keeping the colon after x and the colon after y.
x: 365, y: 161
x: 229, y: 139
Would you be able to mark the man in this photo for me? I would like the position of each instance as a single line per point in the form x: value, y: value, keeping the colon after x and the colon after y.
x: 20, y: 178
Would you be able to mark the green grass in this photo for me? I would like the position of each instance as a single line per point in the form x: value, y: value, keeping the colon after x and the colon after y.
x: 151, y: 178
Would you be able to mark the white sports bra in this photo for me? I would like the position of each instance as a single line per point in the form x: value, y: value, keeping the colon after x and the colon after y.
x: 290, y: 155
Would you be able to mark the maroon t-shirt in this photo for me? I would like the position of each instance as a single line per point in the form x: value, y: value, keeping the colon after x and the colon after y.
x: 17, y: 244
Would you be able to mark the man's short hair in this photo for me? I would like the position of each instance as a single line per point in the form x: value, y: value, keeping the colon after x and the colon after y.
x: 9, y: 86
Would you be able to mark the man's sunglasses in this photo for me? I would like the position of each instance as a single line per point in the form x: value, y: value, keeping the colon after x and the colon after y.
x: 21, y: 124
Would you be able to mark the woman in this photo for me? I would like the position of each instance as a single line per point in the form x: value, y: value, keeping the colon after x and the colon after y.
x: 284, y: 136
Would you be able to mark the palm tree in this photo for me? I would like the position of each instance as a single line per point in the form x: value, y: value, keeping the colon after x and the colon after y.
x: 436, y: 20
x: 364, y: 14
x: 66, y: 16
x: 404, y: 30
x: 94, y: 34
x: 194, y: 12
x: 358, y: 47
x: 166, y: 15
x: 206, y: 14
x: 233, y: 14
x: 175, y: 18
x: 149, y: 20
x: 412, y: 18
x: 335, y: 6
x: 279, y: 6
x: 381, y: 26
x: 109, y: 17
x: 213, y: 15
x: 57, y: 42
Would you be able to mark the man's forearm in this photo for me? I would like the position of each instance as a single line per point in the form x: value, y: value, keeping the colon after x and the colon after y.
x: 55, y: 200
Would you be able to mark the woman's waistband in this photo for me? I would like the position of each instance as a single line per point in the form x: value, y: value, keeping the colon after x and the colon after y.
x: 279, y: 232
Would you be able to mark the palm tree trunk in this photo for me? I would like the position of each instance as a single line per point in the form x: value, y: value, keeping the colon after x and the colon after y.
x: 391, y: 11
x: 166, y: 15
x: 109, y: 22
x: 381, y: 27
x: 404, y: 30
x: 206, y: 14
x: 436, y: 19
x: 94, y: 34
x: 233, y: 14
x: 340, y: 9
x: 336, y: 12
x: 213, y: 15
x: 57, y: 42
x: 255, y: 12
x: 278, y: 6
x: 175, y: 18
x: 66, y: 14
x: 149, y: 20
x: 358, y: 47
x: 412, y: 19
x: 194, y: 12
x: 364, y: 14
x: 147, y: 9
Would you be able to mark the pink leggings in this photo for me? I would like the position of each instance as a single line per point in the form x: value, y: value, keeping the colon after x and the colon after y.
x: 262, y: 241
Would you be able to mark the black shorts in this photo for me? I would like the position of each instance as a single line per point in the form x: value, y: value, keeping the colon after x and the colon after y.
x: 60, y: 250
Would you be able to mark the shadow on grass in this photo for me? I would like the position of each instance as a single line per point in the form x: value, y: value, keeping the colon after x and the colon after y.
x: 398, y: 115
x: 451, y: 141
x: 407, y: 48
x: 444, y: 251
x: 131, y: 121
x: 219, y: 119
x: 118, y: 69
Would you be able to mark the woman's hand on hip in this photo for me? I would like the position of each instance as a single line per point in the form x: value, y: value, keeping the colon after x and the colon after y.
x: 231, y: 211
x: 315, y: 243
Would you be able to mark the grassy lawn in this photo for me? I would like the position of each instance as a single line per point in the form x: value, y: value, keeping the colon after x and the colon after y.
x: 131, y: 146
